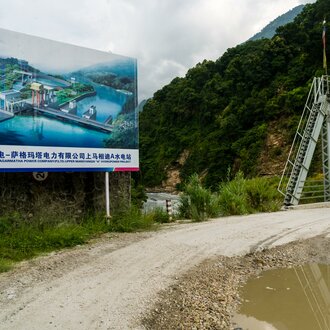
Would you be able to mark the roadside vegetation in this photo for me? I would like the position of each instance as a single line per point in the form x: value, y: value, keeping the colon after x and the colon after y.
x: 23, y: 238
x: 236, y: 197
x: 197, y: 202
x: 26, y: 236
x: 245, y: 196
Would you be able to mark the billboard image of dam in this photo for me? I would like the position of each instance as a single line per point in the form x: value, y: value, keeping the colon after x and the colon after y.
x: 65, y: 107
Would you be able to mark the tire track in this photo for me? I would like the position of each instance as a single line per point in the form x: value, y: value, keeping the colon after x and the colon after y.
x: 269, y: 241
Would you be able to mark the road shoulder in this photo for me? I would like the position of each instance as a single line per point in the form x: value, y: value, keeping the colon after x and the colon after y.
x: 207, y: 295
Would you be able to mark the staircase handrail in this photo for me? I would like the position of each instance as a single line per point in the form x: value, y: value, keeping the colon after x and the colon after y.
x: 318, y: 88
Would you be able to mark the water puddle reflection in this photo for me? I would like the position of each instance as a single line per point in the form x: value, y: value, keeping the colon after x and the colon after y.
x: 287, y: 299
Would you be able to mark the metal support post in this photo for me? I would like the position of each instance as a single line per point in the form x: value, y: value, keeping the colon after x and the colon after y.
x: 326, y: 155
x: 107, y: 197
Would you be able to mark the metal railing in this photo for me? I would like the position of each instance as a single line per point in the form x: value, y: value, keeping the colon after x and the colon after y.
x: 304, y: 142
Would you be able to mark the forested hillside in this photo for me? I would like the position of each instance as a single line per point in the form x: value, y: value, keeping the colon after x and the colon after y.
x: 270, y: 29
x: 238, y: 112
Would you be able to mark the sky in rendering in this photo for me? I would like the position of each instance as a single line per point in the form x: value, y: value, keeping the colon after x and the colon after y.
x: 166, y: 36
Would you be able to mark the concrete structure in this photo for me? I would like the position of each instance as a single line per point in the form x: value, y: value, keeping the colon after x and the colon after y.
x: 10, y: 101
x: 49, y: 95
x: 37, y: 92
x: 70, y: 108
x: 90, y: 113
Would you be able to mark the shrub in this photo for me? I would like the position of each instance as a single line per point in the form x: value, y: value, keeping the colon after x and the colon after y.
x: 233, y: 196
x: 184, y: 207
x: 130, y: 220
x: 160, y: 215
x: 198, y: 203
x: 262, y: 196
x: 242, y: 196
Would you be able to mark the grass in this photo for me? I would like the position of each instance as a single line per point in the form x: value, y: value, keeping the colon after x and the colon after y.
x: 26, y: 237
x: 5, y: 265
x: 159, y: 215
x: 244, y: 196
x: 22, y: 238
x: 26, y: 240
x: 236, y: 197
x: 131, y: 220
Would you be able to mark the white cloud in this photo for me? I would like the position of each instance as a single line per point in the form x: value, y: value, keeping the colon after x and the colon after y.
x: 166, y: 36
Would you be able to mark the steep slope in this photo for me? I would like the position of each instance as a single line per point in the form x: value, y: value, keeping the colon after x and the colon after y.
x: 270, y: 29
x: 222, y: 113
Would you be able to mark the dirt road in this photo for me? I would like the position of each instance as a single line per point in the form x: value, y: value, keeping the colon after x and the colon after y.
x: 111, y: 284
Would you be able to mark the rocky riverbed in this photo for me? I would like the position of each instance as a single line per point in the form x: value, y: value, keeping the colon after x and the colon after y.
x: 208, y: 295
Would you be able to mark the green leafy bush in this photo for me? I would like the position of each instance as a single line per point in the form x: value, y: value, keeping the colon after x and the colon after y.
x: 243, y: 196
x: 198, y: 203
x: 184, y: 207
x: 262, y: 196
x: 233, y: 196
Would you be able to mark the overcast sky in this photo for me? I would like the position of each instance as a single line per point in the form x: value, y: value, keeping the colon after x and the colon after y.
x: 166, y: 36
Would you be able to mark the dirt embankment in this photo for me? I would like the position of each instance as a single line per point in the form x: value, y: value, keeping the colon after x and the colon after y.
x: 207, y: 295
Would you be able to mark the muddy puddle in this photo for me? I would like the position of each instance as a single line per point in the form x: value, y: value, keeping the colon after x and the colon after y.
x: 287, y: 299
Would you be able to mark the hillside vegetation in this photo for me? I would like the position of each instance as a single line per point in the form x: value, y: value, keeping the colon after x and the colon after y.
x: 270, y: 29
x: 238, y: 112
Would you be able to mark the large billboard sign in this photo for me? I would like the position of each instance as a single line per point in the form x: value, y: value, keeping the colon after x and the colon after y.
x: 65, y: 108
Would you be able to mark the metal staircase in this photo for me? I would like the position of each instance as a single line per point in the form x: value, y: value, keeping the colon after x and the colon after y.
x: 315, y: 117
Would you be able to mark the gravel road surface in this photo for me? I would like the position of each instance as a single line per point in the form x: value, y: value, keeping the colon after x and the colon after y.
x: 112, y: 283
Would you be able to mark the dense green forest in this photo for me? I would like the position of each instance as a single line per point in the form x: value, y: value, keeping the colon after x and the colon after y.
x: 220, y: 115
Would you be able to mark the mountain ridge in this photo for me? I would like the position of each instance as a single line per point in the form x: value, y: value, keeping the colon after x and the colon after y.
x: 236, y: 113
x: 270, y: 29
